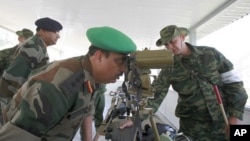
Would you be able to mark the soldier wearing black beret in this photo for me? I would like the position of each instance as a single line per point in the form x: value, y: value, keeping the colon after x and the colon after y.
x: 48, y: 24
x: 30, y: 55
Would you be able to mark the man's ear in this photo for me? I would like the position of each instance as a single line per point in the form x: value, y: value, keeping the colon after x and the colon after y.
x: 98, y: 56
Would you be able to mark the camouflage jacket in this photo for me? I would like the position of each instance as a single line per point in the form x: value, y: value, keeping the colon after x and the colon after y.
x: 31, y: 55
x: 99, y: 104
x: 53, y: 101
x: 193, y: 77
x: 6, y: 56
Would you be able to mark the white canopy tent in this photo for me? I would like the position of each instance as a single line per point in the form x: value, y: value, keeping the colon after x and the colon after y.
x: 140, y: 19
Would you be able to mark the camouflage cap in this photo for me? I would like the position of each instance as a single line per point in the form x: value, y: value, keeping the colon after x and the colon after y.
x: 169, y: 32
x: 110, y: 39
x: 26, y: 33
x: 48, y: 24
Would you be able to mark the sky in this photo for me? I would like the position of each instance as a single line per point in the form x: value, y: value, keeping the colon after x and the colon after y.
x: 233, y: 42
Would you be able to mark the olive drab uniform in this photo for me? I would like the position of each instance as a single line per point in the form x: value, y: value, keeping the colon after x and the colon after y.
x: 193, y: 77
x: 51, y: 107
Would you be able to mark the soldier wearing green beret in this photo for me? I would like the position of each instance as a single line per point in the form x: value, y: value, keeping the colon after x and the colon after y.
x: 59, y: 97
x: 196, y: 70
x: 30, y: 55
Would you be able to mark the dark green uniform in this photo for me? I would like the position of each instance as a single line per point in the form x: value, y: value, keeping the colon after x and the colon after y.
x: 193, y: 77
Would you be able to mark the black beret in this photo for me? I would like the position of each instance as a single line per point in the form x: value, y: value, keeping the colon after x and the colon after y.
x: 48, y: 24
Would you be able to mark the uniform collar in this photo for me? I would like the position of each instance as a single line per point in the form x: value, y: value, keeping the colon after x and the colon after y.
x: 194, y: 49
x: 195, y: 52
x: 39, y: 40
x: 86, y: 66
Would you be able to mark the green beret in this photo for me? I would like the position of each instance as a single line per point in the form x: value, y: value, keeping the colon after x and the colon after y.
x: 110, y: 39
x: 169, y: 32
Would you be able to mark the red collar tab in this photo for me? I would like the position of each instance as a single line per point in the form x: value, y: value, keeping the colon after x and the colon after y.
x: 89, y: 87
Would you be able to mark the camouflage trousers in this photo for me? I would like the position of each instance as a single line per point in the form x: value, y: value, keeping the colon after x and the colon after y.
x: 203, y: 130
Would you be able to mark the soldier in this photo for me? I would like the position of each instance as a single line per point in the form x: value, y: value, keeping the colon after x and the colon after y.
x: 31, y: 55
x: 196, y: 70
x: 59, y: 97
x: 6, y: 55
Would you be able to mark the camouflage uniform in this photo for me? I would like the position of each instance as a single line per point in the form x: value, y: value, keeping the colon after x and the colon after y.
x: 99, y: 105
x: 31, y: 55
x: 54, y: 106
x: 6, y: 56
x: 193, y: 77
x: 59, y: 97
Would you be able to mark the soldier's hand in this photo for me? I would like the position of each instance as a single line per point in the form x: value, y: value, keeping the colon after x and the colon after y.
x: 127, y: 123
x: 231, y: 121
